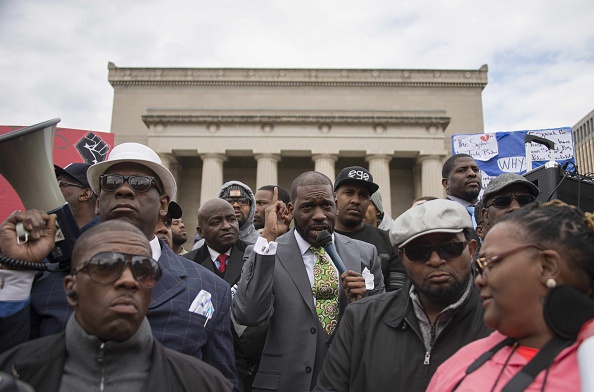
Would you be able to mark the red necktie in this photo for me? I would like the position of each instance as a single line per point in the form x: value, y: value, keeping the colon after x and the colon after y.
x: 222, y: 258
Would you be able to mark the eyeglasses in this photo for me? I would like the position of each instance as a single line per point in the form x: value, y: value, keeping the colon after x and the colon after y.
x: 242, y: 201
x: 505, y: 201
x: 62, y: 184
x: 484, y: 262
x: 107, y: 267
x: 446, y: 250
x: 113, y: 182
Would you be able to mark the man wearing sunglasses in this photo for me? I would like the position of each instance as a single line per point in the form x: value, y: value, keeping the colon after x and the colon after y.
x: 109, y: 287
x: 505, y: 194
x: 396, y: 341
x: 189, y: 310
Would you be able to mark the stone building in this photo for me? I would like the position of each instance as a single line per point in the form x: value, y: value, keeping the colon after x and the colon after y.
x: 265, y: 126
x: 583, y: 135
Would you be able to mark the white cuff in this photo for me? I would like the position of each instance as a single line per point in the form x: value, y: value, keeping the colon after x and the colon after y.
x: 263, y: 247
x: 16, y: 285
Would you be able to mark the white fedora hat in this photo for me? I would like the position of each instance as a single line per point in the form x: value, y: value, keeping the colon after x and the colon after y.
x: 135, y: 153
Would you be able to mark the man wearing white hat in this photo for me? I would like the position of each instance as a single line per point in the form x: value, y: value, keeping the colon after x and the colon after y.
x: 189, y: 309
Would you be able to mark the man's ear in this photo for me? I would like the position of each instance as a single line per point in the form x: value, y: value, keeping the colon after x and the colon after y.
x: 86, y: 194
x: 472, y: 245
x: 69, y: 287
x: 445, y: 183
x: 164, y: 199
x: 97, y: 206
x: 199, y: 231
x: 290, y: 208
x: 485, y: 215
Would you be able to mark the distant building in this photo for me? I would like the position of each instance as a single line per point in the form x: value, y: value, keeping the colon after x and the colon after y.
x: 583, y: 135
x: 265, y: 126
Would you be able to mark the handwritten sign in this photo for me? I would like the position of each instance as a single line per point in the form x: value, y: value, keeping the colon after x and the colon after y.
x: 505, y: 152
x: 563, y: 144
x: 481, y: 147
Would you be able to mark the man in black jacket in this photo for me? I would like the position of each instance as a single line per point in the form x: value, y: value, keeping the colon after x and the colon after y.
x: 108, y: 341
x: 396, y: 341
x: 352, y: 194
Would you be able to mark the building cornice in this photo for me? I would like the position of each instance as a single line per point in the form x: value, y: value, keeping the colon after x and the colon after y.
x: 425, y: 118
x: 297, y: 77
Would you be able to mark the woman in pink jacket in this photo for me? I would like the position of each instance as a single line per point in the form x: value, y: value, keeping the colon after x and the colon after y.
x: 536, y: 274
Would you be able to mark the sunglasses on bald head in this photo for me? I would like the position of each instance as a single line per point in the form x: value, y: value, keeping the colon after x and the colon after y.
x: 505, y: 201
x: 107, y: 267
x: 446, y: 250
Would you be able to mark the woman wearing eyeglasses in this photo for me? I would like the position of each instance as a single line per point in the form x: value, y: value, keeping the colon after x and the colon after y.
x: 524, y: 257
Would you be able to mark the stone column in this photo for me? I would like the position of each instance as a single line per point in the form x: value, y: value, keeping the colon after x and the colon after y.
x: 212, y: 175
x: 170, y: 162
x: 431, y: 175
x: 379, y: 167
x: 267, y: 172
x: 324, y: 163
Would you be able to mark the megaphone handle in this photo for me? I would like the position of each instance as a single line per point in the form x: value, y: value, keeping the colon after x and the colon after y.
x: 22, y: 234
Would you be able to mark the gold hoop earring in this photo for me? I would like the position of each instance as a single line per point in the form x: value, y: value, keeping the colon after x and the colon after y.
x: 551, y: 283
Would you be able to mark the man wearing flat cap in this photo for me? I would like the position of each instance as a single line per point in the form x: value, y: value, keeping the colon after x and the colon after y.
x: 353, y: 190
x: 396, y: 341
x: 505, y: 194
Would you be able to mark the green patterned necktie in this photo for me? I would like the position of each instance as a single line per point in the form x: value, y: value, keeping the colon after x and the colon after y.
x: 325, y: 290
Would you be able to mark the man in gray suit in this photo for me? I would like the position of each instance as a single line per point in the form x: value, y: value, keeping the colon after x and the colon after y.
x: 280, y: 284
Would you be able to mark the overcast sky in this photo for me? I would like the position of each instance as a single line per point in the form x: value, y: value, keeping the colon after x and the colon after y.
x: 540, y: 53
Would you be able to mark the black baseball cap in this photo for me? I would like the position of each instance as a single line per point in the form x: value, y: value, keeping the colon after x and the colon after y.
x: 356, y: 174
x: 174, y: 210
x: 78, y: 171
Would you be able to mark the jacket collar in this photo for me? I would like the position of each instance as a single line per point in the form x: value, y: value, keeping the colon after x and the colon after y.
x: 402, y: 306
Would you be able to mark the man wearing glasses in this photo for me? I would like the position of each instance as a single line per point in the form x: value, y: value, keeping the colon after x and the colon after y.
x: 504, y: 194
x: 189, y: 309
x: 242, y: 199
x: 109, y: 287
x: 396, y: 341
x: 77, y: 192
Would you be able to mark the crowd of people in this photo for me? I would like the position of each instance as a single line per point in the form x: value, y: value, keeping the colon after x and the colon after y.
x: 311, y: 288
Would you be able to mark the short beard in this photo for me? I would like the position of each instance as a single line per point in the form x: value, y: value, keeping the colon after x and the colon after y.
x: 472, y: 195
x: 444, y: 296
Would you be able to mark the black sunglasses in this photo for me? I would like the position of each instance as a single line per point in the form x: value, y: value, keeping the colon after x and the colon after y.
x: 107, y: 267
x: 241, y: 201
x: 505, y: 201
x: 113, y: 182
x: 446, y: 250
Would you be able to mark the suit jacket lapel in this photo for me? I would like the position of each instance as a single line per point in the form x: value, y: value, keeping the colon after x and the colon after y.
x: 234, y: 266
x: 172, y: 280
x: 289, y: 256
x: 348, y: 252
x: 203, y: 258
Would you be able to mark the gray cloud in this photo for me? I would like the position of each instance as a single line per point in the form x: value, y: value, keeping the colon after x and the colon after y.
x: 54, y: 55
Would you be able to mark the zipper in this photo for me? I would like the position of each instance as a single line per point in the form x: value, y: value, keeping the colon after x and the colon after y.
x: 101, y: 359
x: 427, y: 356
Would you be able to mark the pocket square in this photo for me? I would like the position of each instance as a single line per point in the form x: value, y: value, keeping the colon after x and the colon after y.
x: 202, y: 304
x: 369, y: 283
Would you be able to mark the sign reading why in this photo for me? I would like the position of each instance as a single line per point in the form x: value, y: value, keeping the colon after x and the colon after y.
x: 505, y: 152
x: 70, y: 145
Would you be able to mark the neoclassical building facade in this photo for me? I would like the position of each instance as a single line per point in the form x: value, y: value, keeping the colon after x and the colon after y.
x: 266, y: 126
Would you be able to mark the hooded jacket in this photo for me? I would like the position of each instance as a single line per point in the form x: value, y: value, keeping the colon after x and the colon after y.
x: 247, y: 232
